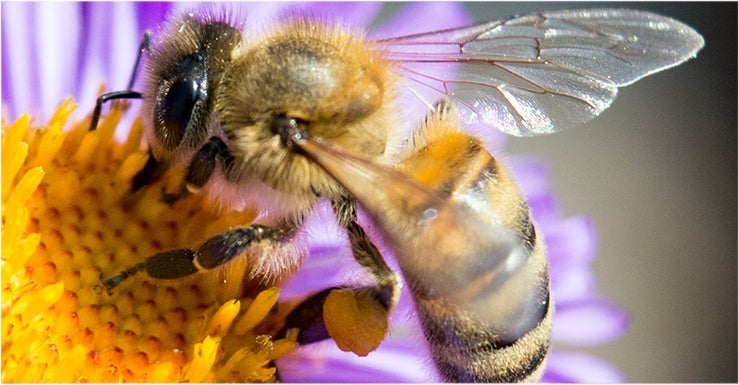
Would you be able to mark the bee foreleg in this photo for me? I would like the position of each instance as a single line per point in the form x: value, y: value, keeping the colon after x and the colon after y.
x: 201, y: 168
x: 251, y: 242
x: 153, y: 169
x: 203, y: 164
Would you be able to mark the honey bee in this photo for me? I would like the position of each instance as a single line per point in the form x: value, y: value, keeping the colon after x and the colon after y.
x: 313, y: 111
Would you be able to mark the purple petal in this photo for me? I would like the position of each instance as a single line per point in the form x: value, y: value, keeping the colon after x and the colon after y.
x: 571, y: 367
x: 397, y: 360
x: 53, y: 58
x: 112, y: 43
x: 55, y: 48
x: 322, y: 261
x: 17, y: 57
x: 545, y: 209
x: 41, y: 70
x: 571, y: 282
x: 572, y: 241
x: 425, y: 17
x: 533, y: 174
x: 150, y: 14
x: 588, y: 322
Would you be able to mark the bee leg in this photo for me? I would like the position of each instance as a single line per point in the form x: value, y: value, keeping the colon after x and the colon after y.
x: 387, y: 287
x: 203, y: 164
x: 153, y: 170
x: 201, y: 168
x: 244, y: 241
x: 145, y: 46
x: 308, y: 315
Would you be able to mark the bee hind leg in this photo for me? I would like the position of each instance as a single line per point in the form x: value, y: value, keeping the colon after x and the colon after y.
x: 309, y: 316
x: 338, y: 312
x: 387, y: 288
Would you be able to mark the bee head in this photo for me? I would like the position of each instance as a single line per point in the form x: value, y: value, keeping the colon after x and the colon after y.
x: 184, y: 69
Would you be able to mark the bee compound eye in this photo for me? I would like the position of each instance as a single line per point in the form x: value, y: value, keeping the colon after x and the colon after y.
x: 175, y: 109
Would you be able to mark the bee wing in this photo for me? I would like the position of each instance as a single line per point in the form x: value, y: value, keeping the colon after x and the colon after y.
x: 540, y: 73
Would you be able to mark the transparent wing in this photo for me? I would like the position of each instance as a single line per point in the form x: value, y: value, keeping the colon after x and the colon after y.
x: 540, y: 73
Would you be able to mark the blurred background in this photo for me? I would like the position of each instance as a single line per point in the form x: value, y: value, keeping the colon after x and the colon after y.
x: 658, y: 173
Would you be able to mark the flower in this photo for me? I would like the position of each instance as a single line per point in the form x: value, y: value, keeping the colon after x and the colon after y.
x: 49, y: 308
x: 67, y: 217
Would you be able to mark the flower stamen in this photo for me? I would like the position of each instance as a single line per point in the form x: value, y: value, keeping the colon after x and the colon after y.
x: 69, y: 215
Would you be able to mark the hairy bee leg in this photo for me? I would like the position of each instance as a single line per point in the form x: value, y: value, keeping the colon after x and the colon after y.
x: 153, y: 170
x: 145, y: 46
x: 366, y: 253
x: 308, y: 316
x: 199, y: 172
x: 203, y: 164
x: 201, y: 168
x: 218, y: 250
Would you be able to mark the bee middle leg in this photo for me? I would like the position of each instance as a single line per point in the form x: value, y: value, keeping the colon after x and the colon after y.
x: 250, y: 242
x: 272, y: 251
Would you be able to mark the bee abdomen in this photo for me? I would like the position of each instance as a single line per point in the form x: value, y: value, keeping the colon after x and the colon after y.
x: 496, y: 330
x: 465, y: 351
x: 466, y: 247
x: 484, y: 304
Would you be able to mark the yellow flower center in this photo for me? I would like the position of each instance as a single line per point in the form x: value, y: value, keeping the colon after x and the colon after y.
x: 68, y: 217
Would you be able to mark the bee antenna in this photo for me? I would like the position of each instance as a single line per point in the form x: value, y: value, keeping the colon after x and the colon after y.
x: 144, y: 47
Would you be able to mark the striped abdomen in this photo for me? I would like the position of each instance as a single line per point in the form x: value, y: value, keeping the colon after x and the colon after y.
x: 479, y: 274
x: 466, y: 246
